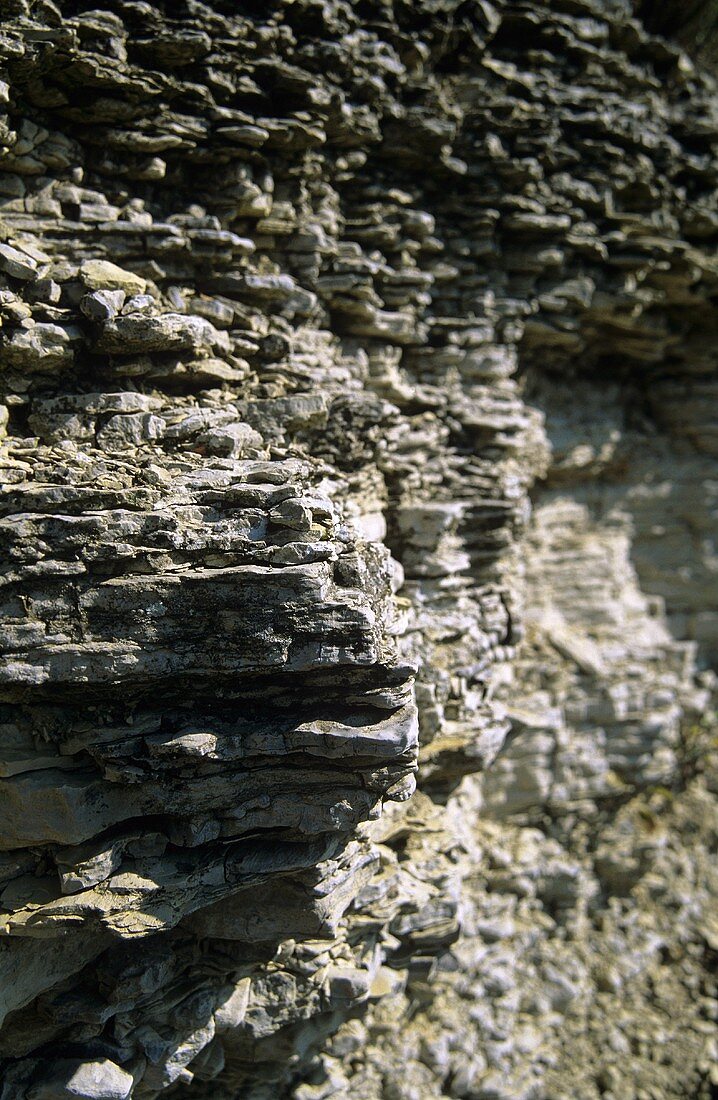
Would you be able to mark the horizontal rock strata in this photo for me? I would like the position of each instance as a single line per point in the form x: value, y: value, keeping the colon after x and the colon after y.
x: 358, y: 394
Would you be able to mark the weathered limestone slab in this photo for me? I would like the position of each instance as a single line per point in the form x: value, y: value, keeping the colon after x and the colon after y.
x: 358, y: 430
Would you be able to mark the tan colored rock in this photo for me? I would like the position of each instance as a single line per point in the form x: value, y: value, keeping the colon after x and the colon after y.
x: 104, y: 275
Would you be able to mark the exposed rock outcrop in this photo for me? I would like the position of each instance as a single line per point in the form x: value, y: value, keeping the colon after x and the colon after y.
x: 359, y: 386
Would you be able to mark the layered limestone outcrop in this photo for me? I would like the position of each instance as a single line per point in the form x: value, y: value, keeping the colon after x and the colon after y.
x: 359, y: 570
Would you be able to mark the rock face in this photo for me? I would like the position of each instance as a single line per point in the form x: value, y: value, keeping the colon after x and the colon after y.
x: 359, y: 391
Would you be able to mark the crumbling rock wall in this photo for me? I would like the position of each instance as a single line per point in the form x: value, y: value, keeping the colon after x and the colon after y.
x: 359, y: 388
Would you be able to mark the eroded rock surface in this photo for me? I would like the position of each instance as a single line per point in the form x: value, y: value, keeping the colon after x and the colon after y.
x: 358, y: 371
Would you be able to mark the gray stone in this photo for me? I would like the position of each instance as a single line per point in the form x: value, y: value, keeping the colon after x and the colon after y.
x: 102, y: 305
x: 141, y: 332
x: 17, y: 264
x: 92, y: 1080
x: 358, y: 550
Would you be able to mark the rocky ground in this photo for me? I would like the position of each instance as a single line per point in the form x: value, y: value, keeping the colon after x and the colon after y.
x: 359, y: 573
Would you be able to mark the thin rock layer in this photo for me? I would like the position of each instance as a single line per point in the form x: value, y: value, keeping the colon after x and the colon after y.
x: 358, y: 408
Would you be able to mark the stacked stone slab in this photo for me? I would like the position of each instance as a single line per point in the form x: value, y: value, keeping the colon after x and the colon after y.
x: 358, y: 398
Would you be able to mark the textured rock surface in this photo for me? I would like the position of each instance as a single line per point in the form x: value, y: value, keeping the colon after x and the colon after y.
x: 358, y: 371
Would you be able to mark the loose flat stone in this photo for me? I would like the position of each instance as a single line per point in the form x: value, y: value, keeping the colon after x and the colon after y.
x: 17, y: 264
x: 141, y: 332
x: 94, y: 1080
x: 103, y: 275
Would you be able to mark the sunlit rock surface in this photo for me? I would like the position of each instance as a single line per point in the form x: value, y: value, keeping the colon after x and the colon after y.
x: 359, y: 432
